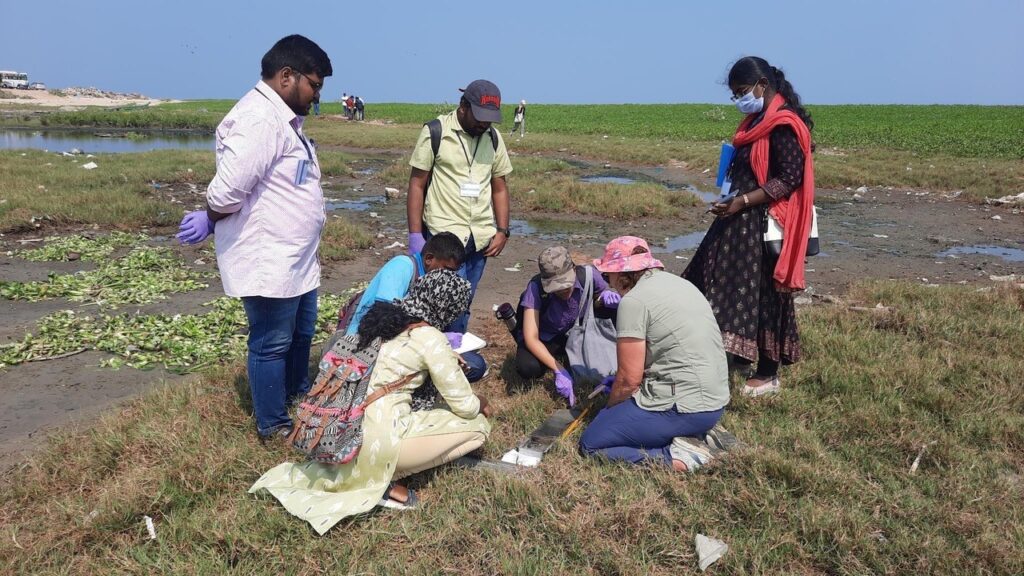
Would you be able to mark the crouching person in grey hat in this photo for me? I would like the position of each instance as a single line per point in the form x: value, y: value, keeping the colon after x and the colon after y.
x: 548, y: 308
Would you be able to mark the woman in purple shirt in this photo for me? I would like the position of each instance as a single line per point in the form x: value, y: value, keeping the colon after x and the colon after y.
x: 547, y: 309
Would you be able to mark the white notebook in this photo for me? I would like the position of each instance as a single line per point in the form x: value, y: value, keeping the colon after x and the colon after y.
x: 470, y: 343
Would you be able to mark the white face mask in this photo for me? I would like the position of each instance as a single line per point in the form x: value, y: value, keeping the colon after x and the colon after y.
x: 747, y: 104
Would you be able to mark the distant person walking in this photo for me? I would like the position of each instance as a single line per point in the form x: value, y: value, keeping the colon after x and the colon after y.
x: 344, y: 103
x: 360, y: 106
x: 461, y: 188
x: 350, y: 107
x: 519, y: 120
x: 316, y: 105
x: 268, y: 208
x: 772, y: 170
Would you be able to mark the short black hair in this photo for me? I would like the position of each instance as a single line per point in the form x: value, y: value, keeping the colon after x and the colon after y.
x: 298, y: 53
x: 445, y: 246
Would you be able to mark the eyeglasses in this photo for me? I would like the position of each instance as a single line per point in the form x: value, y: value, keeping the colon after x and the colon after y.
x: 743, y: 91
x: 316, y: 86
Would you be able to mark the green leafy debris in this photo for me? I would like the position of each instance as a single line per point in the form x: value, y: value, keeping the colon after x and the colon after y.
x: 92, y: 249
x: 142, y: 276
x: 180, y: 343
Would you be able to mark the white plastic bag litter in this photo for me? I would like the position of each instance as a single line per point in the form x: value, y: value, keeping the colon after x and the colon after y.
x: 709, y: 550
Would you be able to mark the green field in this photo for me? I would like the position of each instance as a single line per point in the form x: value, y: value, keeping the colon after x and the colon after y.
x: 960, y: 131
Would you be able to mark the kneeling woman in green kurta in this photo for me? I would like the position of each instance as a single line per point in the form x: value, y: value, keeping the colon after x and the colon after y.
x: 397, y: 442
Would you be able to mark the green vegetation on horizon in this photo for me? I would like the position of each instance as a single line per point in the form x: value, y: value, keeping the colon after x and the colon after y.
x: 825, y: 486
x: 959, y: 131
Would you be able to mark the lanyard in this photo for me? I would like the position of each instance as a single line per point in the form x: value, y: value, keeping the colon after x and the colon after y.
x: 466, y: 152
x: 304, y: 144
x: 309, y: 153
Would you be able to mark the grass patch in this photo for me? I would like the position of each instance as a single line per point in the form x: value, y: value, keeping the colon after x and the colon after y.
x: 40, y: 188
x: 550, y: 185
x: 342, y: 237
x: 541, y: 185
x: 824, y: 488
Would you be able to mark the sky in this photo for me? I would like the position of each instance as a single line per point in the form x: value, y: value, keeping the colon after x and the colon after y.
x: 570, y: 51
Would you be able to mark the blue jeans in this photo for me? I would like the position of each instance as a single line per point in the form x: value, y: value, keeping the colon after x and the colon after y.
x: 280, y: 336
x: 472, y: 269
x: 477, y: 366
x: 627, y: 432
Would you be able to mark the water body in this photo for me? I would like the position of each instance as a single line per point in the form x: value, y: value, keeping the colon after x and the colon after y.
x: 361, y: 205
x: 1008, y: 254
x: 607, y: 180
x: 679, y: 243
x: 89, y: 143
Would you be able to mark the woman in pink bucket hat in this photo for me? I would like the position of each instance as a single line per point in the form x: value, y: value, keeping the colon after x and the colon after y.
x: 673, y: 380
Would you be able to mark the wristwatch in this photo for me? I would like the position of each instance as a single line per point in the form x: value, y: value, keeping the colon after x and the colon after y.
x: 506, y: 232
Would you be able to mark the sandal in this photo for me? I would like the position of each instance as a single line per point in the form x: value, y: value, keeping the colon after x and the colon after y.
x: 412, y: 500
x: 772, y: 386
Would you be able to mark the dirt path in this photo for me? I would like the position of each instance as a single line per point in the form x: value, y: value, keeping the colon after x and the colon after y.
x: 879, y: 233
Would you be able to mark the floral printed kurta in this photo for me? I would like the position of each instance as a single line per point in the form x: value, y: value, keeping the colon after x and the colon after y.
x: 323, y: 494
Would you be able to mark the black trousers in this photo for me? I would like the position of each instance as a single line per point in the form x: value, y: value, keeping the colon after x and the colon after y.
x: 529, y: 367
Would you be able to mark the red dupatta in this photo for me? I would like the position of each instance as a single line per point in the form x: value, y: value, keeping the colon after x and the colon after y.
x: 793, y: 212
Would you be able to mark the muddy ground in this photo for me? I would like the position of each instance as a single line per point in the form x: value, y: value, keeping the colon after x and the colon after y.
x: 916, y: 235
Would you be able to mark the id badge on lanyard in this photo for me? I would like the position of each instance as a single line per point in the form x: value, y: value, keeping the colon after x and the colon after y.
x: 469, y: 190
x: 302, y: 172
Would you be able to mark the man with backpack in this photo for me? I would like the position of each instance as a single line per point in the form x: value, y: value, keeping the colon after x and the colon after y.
x: 458, y: 184
x: 394, y: 280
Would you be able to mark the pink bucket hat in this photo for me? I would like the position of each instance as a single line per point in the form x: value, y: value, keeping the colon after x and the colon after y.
x: 627, y: 254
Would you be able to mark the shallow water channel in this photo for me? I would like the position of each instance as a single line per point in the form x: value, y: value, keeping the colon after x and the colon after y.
x: 97, y: 142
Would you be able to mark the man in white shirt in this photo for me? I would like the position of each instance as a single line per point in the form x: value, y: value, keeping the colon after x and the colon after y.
x: 268, y: 209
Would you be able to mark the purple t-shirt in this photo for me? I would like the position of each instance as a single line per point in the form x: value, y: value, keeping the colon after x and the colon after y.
x: 558, y: 315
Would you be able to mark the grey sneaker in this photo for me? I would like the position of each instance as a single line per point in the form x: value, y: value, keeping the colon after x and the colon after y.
x: 691, y: 452
x: 719, y: 439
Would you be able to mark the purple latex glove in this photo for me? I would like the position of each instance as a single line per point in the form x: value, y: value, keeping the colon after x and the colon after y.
x: 194, y: 227
x: 606, y: 384
x: 454, y: 338
x: 610, y: 299
x: 563, y: 383
x: 416, y: 242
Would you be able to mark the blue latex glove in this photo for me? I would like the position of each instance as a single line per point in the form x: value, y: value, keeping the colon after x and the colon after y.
x: 454, y: 339
x: 610, y: 299
x: 194, y: 227
x: 416, y: 242
x: 563, y: 383
x: 605, y: 386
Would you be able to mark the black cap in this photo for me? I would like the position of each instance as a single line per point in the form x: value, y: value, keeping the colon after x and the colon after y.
x: 485, y: 99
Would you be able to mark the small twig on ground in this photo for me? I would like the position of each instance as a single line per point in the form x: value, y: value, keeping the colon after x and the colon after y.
x: 58, y: 356
x: 14, y: 538
x: 879, y: 309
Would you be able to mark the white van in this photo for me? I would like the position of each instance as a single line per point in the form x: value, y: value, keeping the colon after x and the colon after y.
x: 12, y: 79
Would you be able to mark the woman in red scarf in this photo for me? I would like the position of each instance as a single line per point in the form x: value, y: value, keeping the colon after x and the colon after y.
x: 750, y: 291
